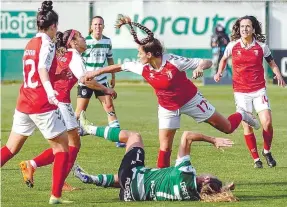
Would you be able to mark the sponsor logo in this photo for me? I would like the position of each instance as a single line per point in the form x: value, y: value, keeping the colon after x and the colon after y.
x: 18, y: 24
x: 127, y: 191
x: 184, y: 191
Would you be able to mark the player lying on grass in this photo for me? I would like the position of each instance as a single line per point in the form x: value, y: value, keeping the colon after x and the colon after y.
x: 138, y: 183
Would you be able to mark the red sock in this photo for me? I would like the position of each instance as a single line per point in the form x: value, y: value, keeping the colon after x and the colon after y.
x: 73, y: 152
x: 234, y: 120
x: 163, y: 159
x: 267, y: 136
x: 59, y: 173
x: 251, y: 144
x: 45, y: 158
x: 6, y: 155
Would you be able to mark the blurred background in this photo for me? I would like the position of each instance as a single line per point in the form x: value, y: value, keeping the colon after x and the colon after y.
x: 185, y: 27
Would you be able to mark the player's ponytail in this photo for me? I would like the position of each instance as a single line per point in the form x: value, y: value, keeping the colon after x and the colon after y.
x: 149, y: 44
x: 46, y: 16
x: 60, y: 46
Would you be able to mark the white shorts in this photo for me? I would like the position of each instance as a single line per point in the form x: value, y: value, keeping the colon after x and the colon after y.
x: 198, y: 108
x: 51, y: 124
x: 68, y: 113
x: 258, y: 100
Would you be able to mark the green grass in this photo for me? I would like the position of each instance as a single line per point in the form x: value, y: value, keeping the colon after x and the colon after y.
x: 136, y: 108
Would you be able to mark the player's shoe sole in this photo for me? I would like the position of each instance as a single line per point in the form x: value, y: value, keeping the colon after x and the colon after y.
x: 27, y: 172
x: 53, y: 200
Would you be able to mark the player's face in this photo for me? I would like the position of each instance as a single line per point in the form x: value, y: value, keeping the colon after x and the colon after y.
x: 143, y: 56
x: 97, y: 26
x: 246, y: 28
x: 80, y: 42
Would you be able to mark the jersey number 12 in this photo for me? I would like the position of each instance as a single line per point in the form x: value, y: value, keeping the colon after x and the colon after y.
x: 28, y: 83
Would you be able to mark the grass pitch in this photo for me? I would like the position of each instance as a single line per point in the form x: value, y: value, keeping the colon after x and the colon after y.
x: 136, y: 108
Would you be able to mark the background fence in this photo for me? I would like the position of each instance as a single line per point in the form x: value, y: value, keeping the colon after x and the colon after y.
x: 185, y: 27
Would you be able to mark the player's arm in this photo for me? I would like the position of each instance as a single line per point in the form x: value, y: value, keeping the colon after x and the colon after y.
x: 113, y: 81
x: 188, y: 137
x: 46, y: 57
x: 270, y: 60
x: 223, y: 61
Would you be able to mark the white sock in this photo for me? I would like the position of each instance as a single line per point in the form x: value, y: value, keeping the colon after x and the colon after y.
x: 266, y: 151
x: 257, y: 159
x: 33, y: 163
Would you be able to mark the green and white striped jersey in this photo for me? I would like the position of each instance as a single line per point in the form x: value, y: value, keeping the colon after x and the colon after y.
x: 172, y: 183
x: 96, y: 54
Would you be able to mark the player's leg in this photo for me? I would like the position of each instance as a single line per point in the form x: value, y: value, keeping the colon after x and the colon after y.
x: 108, y: 106
x: 52, y: 126
x: 202, y: 110
x: 245, y: 101
x: 262, y: 107
x: 22, y: 128
x: 169, y: 122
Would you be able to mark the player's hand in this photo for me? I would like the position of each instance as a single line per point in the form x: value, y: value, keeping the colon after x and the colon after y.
x: 52, y: 98
x: 198, y: 72
x: 222, y: 142
x: 113, y: 81
x: 280, y: 80
x: 89, y: 75
x: 111, y: 92
x: 217, y: 77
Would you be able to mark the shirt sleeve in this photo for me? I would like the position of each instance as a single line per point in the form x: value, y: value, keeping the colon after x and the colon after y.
x: 266, y: 50
x: 183, y: 159
x: 135, y: 67
x: 46, y: 55
x: 183, y: 63
x: 77, y: 66
x: 228, y: 50
x: 110, y: 54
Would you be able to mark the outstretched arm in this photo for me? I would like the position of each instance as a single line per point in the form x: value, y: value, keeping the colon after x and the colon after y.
x: 109, y: 69
x: 188, y: 137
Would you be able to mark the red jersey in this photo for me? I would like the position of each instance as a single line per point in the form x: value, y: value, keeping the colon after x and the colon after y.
x: 248, y: 71
x: 172, y: 88
x: 70, y: 62
x: 39, y: 53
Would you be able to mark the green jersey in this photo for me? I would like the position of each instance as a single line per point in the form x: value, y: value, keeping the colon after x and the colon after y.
x: 96, y: 54
x: 172, y: 183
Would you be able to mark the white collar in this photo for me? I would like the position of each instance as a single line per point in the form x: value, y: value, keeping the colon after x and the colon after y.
x: 249, y: 46
x: 73, y: 50
x: 92, y: 36
x: 43, y: 35
x: 165, y: 57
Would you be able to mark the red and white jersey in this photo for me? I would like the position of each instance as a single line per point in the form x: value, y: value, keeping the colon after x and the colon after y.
x: 172, y: 87
x: 248, y: 71
x: 39, y: 53
x: 70, y: 62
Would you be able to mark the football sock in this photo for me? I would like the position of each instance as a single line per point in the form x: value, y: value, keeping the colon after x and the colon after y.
x: 114, y: 123
x: 6, y: 155
x: 73, y: 152
x: 104, y: 180
x: 251, y: 144
x: 59, y: 173
x: 234, y: 120
x: 109, y: 133
x: 267, y: 136
x: 163, y: 159
x: 45, y: 158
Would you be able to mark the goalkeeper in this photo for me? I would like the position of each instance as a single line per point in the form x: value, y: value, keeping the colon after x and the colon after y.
x: 138, y: 183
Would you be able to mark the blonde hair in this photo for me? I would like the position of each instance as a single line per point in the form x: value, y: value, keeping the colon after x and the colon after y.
x: 207, y: 194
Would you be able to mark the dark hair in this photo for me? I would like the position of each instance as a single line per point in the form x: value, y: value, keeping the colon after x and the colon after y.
x: 255, y: 24
x: 149, y: 44
x: 61, y: 41
x: 100, y: 17
x: 46, y: 16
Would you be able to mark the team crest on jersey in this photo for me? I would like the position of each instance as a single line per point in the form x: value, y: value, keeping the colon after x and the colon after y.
x: 238, y: 52
x: 151, y: 75
x: 256, y: 52
x: 84, y: 92
x: 169, y: 74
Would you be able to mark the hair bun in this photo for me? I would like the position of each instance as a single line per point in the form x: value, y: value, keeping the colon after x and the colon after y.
x: 46, y: 6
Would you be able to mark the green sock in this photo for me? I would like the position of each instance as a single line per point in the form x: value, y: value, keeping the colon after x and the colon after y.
x: 104, y: 180
x: 109, y: 133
